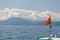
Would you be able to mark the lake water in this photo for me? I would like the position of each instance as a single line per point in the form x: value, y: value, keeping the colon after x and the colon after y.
x: 17, y: 32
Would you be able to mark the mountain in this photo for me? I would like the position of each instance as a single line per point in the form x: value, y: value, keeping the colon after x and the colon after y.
x: 57, y: 23
x: 17, y: 21
x: 20, y: 21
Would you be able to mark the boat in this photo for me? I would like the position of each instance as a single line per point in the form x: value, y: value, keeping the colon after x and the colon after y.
x: 50, y: 37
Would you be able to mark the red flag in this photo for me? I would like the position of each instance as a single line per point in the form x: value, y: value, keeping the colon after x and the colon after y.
x: 48, y: 21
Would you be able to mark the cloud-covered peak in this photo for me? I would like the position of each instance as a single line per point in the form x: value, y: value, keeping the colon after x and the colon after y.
x: 28, y: 14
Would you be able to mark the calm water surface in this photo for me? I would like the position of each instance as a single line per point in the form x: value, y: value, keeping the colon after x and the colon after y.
x: 15, y: 32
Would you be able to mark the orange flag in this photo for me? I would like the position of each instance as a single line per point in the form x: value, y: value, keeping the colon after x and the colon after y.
x: 48, y: 21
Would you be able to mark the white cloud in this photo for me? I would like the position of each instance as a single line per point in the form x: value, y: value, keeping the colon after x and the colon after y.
x: 28, y: 14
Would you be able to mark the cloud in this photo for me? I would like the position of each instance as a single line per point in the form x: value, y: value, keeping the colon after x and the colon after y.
x: 28, y: 14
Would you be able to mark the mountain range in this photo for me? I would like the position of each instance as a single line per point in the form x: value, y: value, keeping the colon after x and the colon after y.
x: 20, y: 21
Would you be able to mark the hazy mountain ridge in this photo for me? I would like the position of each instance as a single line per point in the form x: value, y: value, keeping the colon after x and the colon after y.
x: 27, y: 17
x: 16, y: 21
x: 20, y: 21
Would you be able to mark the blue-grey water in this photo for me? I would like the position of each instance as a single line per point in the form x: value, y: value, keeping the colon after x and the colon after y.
x: 16, y: 32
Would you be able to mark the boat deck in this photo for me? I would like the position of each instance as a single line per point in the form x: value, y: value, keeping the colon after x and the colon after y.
x: 47, y: 38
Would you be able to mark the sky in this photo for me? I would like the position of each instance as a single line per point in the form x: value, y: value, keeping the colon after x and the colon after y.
x: 38, y: 5
x: 31, y: 15
x: 30, y: 9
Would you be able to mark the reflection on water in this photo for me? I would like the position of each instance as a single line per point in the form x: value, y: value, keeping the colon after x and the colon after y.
x: 14, y: 32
